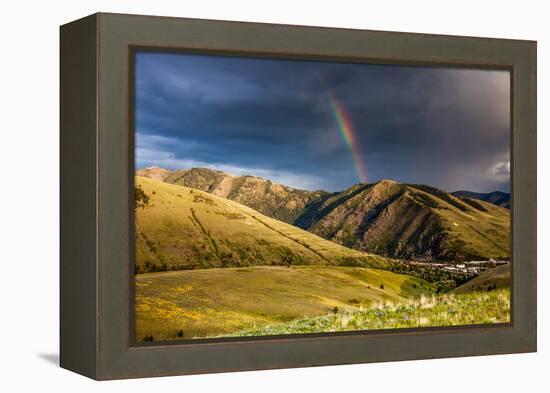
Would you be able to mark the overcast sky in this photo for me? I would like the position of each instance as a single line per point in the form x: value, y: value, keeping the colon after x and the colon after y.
x: 447, y: 128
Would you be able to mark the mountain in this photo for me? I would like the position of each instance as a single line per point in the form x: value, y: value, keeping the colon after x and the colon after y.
x: 274, y: 200
x: 498, y: 277
x: 154, y: 172
x: 179, y: 228
x: 498, y: 198
x: 386, y: 218
x: 410, y: 222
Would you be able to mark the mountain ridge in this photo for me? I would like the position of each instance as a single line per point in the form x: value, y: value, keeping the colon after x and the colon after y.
x: 154, y: 172
x: 396, y: 220
x: 498, y: 198
x: 410, y: 222
x: 272, y: 199
x: 180, y: 228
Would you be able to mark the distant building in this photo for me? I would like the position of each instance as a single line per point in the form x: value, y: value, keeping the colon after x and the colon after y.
x: 477, y: 262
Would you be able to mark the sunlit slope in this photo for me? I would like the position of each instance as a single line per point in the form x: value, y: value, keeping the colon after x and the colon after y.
x: 271, y: 199
x: 499, y: 277
x: 428, y: 311
x: 212, y: 302
x: 154, y: 172
x: 184, y: 228
x: 410, y: 222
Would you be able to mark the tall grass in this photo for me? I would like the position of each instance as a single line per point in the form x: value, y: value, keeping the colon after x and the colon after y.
x: 442, y: 310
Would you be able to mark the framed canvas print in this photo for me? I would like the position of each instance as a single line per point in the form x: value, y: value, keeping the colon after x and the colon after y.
x: 240, y: 196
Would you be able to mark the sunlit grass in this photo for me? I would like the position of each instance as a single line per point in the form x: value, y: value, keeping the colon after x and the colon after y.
x: 210, y: 302
x: 443, y: 310
x: 182, y: 228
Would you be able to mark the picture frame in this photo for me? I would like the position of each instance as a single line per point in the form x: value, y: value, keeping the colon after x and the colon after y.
x: 96, y: 170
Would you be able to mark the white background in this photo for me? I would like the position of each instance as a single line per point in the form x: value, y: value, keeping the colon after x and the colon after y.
x: 29, y: 194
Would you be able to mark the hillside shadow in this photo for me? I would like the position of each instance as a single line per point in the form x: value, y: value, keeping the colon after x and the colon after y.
x: 313, y: 212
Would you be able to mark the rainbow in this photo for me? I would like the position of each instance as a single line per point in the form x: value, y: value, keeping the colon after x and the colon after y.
x: 348, y: 136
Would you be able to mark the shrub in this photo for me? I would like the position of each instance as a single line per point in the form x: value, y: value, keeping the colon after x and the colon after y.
x: 203, y: 199
x: 456, y: 250
x: 424, y: 199
x: 141, y: 199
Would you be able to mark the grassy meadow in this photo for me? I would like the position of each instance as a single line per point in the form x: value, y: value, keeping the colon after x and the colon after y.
x: 441, y: 310
x: 213, y: 302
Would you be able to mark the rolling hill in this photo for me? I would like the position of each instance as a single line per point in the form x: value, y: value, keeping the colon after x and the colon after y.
x: 154, y: 172
x: 214, y: 302
x: 498, y: 277
x: 183, y: 228
x: 409, y: 222
x: 498, y: 198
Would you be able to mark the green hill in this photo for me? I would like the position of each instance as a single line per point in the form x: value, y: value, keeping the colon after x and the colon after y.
x: 182, y: 228
x: 498, y: 277
x: 410, y: 222
x: 213, y: 302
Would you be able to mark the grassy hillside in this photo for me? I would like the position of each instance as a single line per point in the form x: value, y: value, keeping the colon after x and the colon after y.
x: 498, y: 277
x: 387, y: 218
x: 274, y: 200
x: 498, y: 198
x: 410, y: 222
x: 183, y: 228
x: 212, y: 302
x: 444, y: 310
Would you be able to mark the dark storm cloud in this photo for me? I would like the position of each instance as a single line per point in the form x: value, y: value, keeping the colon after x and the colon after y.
x: 444, y: 127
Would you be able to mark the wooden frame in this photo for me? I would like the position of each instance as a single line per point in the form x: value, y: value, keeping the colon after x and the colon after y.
x: 97, y: 173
